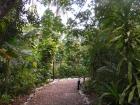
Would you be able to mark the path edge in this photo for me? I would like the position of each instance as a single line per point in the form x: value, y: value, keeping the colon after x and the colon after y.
x: 85, y: 98
x: 38, y: 89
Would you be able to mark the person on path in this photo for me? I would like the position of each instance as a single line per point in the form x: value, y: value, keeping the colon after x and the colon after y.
x: 78, y: 84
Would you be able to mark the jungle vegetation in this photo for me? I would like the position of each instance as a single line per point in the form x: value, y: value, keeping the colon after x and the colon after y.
x: 101, y: 42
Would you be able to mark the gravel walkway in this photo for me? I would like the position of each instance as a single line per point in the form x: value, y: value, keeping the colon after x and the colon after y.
x: 60, y: 92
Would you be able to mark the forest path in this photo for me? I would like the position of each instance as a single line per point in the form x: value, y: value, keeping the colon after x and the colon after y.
x: 60, y: 92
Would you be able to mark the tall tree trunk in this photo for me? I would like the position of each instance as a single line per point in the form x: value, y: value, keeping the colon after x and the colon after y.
x: 53, y: 69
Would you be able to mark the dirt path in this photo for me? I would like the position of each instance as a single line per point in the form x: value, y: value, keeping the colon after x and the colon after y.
x: 61, y: 92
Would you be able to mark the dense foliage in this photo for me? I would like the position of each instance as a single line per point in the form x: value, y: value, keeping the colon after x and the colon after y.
x: 32, y: 49
x: 114, y: 51
x: 27, y: 48
x: 101, y: 42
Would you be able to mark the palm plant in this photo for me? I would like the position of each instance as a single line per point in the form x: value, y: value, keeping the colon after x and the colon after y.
x: 115, y: 18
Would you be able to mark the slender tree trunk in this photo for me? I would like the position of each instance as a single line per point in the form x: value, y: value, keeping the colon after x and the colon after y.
x: 53, y: 70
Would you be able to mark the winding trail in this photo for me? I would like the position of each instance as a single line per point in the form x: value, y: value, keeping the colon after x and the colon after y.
x: 60, y: 92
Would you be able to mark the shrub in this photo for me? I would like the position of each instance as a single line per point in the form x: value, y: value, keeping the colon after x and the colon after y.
x: 23, y: 82
x: 69, y: 71
x: 5, y: 99
x: 89, y: 86
x: 42, y: 75
x: 66, y: 71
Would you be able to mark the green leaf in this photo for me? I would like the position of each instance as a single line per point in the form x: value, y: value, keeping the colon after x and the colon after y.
x: 131, y: 94
x: 118, y: 29
x: 116, y: 38
x: 129, y: 72
x: 102, y: 96
x: 122, y: 96
x: 2, y: 26
x: 138, y: 85
x: 137, y: 59
x: 119, y: 65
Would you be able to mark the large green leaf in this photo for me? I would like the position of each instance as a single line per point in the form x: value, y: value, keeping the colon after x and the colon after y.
x: 131, y: 94
x: 116, y: 38
x: 138, y: 85
x: 2, y: 26
x: 120, y: 64
x: 102, y: 96
x: 123, y: 95
x: 129, y: 72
